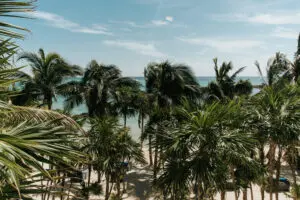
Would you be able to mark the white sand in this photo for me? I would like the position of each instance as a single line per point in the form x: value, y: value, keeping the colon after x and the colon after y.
x: 139, y: 185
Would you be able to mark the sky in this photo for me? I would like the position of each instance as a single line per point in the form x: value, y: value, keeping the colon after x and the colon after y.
x: 132, y: 33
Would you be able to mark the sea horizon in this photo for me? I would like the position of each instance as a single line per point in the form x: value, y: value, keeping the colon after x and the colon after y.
x: 132, y: 122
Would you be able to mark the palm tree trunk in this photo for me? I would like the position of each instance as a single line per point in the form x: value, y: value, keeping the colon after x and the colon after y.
x: 234, y: 183
x: 49, y: 102
x: 262, y: 163
x: 278, y: 168
x: 125, y: 120
x: 293, y: 171
x: 118, y: 185
x: 89, y: 174
x: 155, y: 157
x: 99, y: 176
x: 245, y: 194
x: 107, y: 187
x: 142, y: 130
x: 271, y: 156
x: 150, y: 151
x: 251, y: 191
x: 63, y: 186
x: 223, y: 195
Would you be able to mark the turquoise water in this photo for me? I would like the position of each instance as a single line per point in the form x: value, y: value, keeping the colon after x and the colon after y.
x: 132, y: 122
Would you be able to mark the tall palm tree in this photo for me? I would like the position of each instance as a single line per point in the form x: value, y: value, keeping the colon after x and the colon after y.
x: 143, y: 108
x: 124, y: 101
x: 96, y: 89
x: 275, y: 116
x: 225, y: 84
x: 113, y: 146
x: 49, y: 72
x: 203, y: 150
x: 167, y: 84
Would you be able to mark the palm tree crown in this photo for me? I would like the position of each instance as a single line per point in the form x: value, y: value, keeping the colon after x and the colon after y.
x: 169, y: 82
x: 49, y: 71
x: 97, y: 88
x: 225, y: 85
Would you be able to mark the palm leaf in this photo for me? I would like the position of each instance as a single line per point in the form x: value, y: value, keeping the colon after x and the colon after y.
x: 8, y: 8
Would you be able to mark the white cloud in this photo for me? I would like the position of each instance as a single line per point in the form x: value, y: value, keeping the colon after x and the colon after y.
x: 60, y: 22
x: 285, y: 33
x: 159, y: 22
x: 274, y: 18
x: 154, y: 23
x: 169, y: 18
x: 223, y: 45
x: 140, y: 48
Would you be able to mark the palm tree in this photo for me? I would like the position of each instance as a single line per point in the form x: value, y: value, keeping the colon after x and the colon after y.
x: 12, y: 115
x: 225, y: 85
x: 294, y: 68
x: 167, y: 84
x: 112, y: 146
x: 277, y: 67
x: 9, y: 8
x: 200, y: 149
x: 124, y: 101
x: 143, y: 108
x: 275, y: 115
x: 96, y: 89
x: 49, y: 72
x: 291, y: 157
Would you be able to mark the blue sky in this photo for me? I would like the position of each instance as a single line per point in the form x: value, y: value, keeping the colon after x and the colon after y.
x: 132, y: 33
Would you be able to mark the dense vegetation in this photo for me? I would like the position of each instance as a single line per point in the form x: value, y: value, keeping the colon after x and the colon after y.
x: 202, y: 141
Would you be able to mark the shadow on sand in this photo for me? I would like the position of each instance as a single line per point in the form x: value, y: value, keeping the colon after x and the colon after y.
x: 139, y: 182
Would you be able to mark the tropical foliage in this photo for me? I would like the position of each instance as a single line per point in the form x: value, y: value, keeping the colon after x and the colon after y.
x: 49, y: 72
x: 13, y: 8
x: 225, y: 85
x: 97, y: 88
x: 202, y: 141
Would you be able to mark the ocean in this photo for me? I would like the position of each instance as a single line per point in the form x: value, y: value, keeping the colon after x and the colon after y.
x: 133, y: 122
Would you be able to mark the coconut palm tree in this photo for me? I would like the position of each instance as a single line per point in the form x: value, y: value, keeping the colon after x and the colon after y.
x: 294, y: 68
x: 124, y: 101
x: 275, y: 114
x: 143, y: 109
x: 200, y: 149
x: 169, y: 83
x: 96, y: 89
x: 225, y: 85
x: 277, y: 67
x: 11, y: 115
x: 49, y: 72
x: 112, y: 146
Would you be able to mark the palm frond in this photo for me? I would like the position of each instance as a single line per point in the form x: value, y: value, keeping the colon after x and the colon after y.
x: 11, y: 115
x: 12, y: 8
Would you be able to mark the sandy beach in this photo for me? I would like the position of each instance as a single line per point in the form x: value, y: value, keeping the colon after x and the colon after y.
x: 138, y: 181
